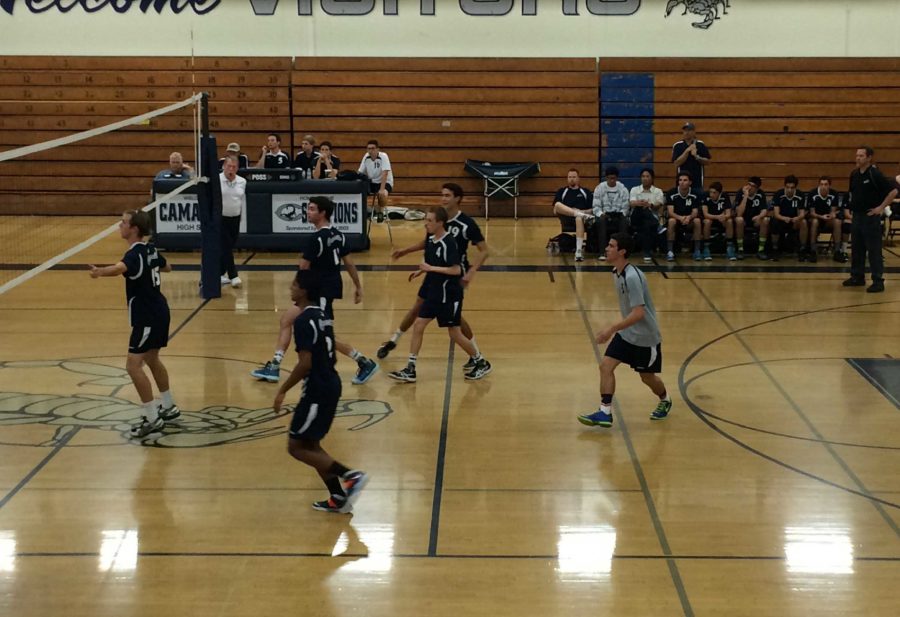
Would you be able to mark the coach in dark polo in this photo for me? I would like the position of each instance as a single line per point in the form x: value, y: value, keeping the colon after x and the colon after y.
x: 690, y: 155
x: 870, y: 193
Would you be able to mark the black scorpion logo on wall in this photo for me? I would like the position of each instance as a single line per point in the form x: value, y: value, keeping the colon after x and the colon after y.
x: 708, y: 9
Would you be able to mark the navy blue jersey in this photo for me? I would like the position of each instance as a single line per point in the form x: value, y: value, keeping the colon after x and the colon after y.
x: 823, y: 205
x: 717, y: 207
x: 755, y: 204
x: 443, y: 253
x: 788, y: 206
x: 324, y: 252
x: 146, y: 304
x: 683, y: 204
x: 277, y: 161
x: 314, y: 333
x: 465, y: 230
x: 579, y: 198
x: 305, y: 162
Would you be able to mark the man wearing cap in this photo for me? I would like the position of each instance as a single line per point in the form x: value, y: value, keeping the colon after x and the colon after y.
x: 690, y: 155
x: 234, y: 149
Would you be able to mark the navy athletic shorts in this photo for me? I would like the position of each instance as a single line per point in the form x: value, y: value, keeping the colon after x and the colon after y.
x: 149, y: 337
x: 314, y: 413
x: 449, y: 314
x: 327, y: 306
x: 641, y: 359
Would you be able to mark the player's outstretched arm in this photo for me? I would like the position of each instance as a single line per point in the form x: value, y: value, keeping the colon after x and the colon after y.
x: 304, y: 364
x: 418, y: 246
x: 116, y: 269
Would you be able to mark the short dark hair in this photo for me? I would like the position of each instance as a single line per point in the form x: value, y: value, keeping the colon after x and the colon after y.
x: 276, y: 136
x: 440, y: 214
x: 611, y: 171
x: 649, y: 171
x: 755, y: 180
x: 373, y: 142
x: 326, y: 143
x: 624, y: 242
x: 230, y: 157
x: 323, y: 204
x: 791, y: 179
x: 686, y: 175
x: 716, y: 186
x: 141, y: 220
x: 454, y: 188
x: 826, y: 178
x: 571, y: 169
x: 870, y: 151
x: 310, y: 282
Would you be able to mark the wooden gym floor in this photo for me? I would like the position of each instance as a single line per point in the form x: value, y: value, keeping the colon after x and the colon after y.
x: 772, y: 489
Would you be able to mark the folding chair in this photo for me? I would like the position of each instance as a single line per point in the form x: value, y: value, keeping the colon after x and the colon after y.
x: 501, y: 180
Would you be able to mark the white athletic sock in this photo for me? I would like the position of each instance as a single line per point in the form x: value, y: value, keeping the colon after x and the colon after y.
x: 396, y: 336
x: 151, y: 410
x: 412, y: 360
x: 579, y: 243
x: 605, y: 408
x: 477, y: 357
x: 355, y: 355
x: 475, y: 345
x: 166, y: 399
x: 844, y: 246
x: 278, y: 357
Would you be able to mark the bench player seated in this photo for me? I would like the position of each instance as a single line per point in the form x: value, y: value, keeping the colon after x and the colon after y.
x: 684, y: 215
x: 751, y: 213
x: 717, y: 210
x: 788, y: 217
x: 823, y: 207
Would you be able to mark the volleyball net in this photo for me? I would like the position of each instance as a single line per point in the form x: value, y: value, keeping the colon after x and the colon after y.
x: 58, y: 196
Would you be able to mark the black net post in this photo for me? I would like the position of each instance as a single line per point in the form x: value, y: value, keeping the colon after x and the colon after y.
x: 209, y: 203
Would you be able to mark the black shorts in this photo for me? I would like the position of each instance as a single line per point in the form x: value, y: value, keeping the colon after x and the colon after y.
x: 748, y: 219
x: 567, y: 223
x: 148, y: 337
x: 374, y: 188
x: 327, y: 306
x: 449, y: 314
x: 781, y: 228
x: 641, y: 359
x: 314, y: 413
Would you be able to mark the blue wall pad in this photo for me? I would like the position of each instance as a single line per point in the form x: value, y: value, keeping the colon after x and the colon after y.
x: 626, y: 123
x: 882, y: 373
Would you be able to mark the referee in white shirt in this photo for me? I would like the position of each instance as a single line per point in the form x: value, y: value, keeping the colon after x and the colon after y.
x: 234, y: 204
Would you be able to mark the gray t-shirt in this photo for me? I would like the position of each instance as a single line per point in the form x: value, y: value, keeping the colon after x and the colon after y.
x: 632, y: 290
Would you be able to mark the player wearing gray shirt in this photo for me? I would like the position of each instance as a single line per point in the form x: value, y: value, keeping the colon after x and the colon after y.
x: 635, y: 340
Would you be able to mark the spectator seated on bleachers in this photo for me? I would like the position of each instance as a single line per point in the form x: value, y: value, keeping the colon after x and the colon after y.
x: 684, y: 216
x: 572, y: 204
x: 611, y: 206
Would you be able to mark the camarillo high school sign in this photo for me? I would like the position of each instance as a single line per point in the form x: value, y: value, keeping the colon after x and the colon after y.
x: 475, y: 8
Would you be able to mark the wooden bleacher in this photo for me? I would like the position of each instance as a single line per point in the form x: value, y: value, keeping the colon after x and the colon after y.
x: 766, y: 117
x: 431, y: 114
x: 771, y: 117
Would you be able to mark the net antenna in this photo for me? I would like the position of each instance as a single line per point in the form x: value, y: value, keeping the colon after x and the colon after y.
x: 196, y: 100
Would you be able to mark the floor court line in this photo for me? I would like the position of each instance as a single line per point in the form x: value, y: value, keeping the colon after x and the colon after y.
x: 862, y: 489
x: 674, y: 573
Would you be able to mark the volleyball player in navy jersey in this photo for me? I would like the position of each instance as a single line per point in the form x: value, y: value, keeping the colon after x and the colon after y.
x: 442, y: 297
x: 148, y: 313
x: 324, y: 253
x: 313, y: 415
x: 466, y: 232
